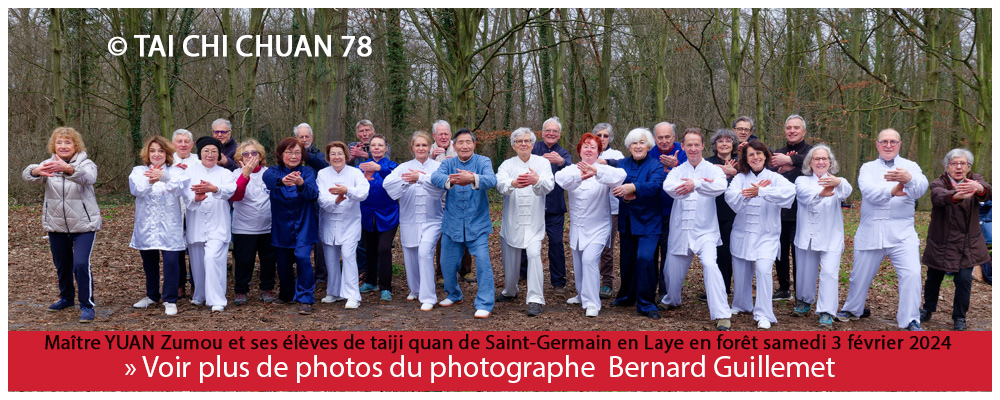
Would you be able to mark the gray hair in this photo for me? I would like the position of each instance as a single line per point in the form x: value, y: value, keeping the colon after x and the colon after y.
x: 229, y: 125
x: 834, y: 165
x: 434, y: 126
x: 957, y: 153
x: 723, y: 133
x: 798, y: 117
x: 553, y: 119
x: 295, y: 131
x: 522, y: 131
x: 639, y: 133
x: 604, y: 126
x: 673, y: 127
x: 364, y: 122
x: 744, y: 118
x: 182, y: 132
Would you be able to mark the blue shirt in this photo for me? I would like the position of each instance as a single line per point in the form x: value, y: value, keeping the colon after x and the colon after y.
x: 641, y: 216
x: 379, y: 212
x: 555, y: 201
x: 466, y: 210
x: 294, y: 212
x: 667, y: 201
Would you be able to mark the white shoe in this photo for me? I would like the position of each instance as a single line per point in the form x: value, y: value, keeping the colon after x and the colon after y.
x: 170, y: 308
x: 216, y: 309
x: 447, y: 303
x: 352, y: 304
x: 426, y: 307
x: 332, y: 299
x: 764, y: 324
x: 734, y: 311
x: 198, y: 302
x: 411, y: 297
x: 592, y: 311
x: 482, y: 314
x: 145, y: 302
x: 573, y: 300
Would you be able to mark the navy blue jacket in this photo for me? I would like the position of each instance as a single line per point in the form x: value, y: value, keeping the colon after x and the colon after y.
x: 667, y: 201
x: 379, y: 212
x: 555, y: 201
x: 641, y: 216
x: 294, y: 212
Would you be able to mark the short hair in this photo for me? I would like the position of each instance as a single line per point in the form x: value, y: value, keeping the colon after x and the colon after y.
x: 464, y: 131
x: 722, y: 133
x: 798, y: 117
x: 744, y: 118
x: 421, y: 134
x: 229, y: 125
x: 341, y: 145
x: 182, y: 132
x: 834, y: 165
x: 364, y: 122
x: 604, y: 126
x: 673, y: 127
x: 164, y: 144
x: 66, y: 132
x: 295, y: 131
x: 284, y: 145
x: 250, y: 143
x: 957, y: 153
x: 898, y: 135
x: 695, y: 131
x: 639, y: 133
x: 553, y: 119
x: 379, y: 136
x: 743, y: 166
x: 521, y: 132
x: 588, y: 137
x: 434, y: 126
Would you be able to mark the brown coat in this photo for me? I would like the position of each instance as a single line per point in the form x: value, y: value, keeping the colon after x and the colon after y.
x: 954, y: 239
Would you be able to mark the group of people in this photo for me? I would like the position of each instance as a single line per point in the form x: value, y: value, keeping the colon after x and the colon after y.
x: 740, y: 211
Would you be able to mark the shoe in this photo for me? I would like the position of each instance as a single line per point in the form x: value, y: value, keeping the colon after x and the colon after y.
x: 502, y: 298
x: 216, y: 309
x: 332, y: 299
x: 801, y: 309
x: 925, y: 315
x: 652, y: 314
x: 666, y: 307
x: 734, y: 312
x: 198, y: 302
x: 867, y: 313
x: 180, y: 293
x: 559, y: 291
x: 914, y: 326
x: 352, y: 304
x: 368, y: 288
x: 448, y: 302
x: 826, y: 321
x: 59, y: 305
x: 268, y: 296
x: 279, y: 301
x: 534, y: 309
x: 145, y: 302
x: 592, y: 311
x: 573, y: 300
x: 411, y: 297
x: 482, y: 314
x: 605, y: 292
x: 426, y: 307
x: 723, y: 324
x: 845, y: 316
x: 321, y: 282
x: 960, y: 324
x: 386, y: 296
x: 617, y: 303
x: 703, y: 297
x: 86, y: 315
x: 763, y: 324
x: 170, y: 308
x: 439, y: 280
x: 305, y: 309
x: 782, y: 295
x: 470, y: 278
x: 241, y: 299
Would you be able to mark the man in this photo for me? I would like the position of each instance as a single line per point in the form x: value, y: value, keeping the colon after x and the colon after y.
x: 317, y: 160
x: 364, y: 130
x: 890, y: 187
x: 670, y: 155
x: 744, y: 129
x: 222, y: 130
x: 466, y: 223
x: 442, y: 149
x: 695, y: 185
x: 787, y: 161
x: 555, y: 205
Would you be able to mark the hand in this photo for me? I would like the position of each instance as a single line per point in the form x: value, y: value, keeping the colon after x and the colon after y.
x: 199, y: 197
x: 686, y: 187
x: 338, y: 189
x: 763, y: 183
x: 624, y: 190
x: 602, y: 161
x: 781, y: 159
x: 751, y: 191
x: 785, y: 168
x: 46, y: 169
x: 970, y: 186
x: 669, y: 161
x: 413, y: 176
x: 437, y: 151
x: 204, y: 187
x: 358, y: 151
x: 182, y: 166
x: 526, y: 179
x: 222, y: 159
x: 294, y: 178
x: 586, y: 170
x: 741, y: 146
x: 339, y: 199
x: 898, y: 175
x: 154, y: 173
x: 829, y: 181
x: 370, y: 166
x: 898, y: 190
x: 554, y: 158
x: 248, y: 165
x: 462, y: 178
x: 729, y: 168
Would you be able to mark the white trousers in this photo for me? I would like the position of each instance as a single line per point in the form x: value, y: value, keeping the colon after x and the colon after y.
x: 675, y: 269
x: 743, y: 300
x: 906, y: 259
x: 342, y: 282
x: 512, y: 270
x: 208, y: 269
x: 811, y: 265
x: 587, y: 274
x: 419, y: 262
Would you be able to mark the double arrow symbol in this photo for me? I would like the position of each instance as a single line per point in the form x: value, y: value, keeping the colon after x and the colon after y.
x: 129, y: 369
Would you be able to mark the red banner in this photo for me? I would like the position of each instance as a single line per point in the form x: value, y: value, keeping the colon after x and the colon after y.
x: 499, y: 361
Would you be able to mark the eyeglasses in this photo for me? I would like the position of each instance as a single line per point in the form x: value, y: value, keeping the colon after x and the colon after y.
x: 221, y: 132
x: 724, y: 140
x: 293, y: 153
x: 888, y: 143
x: 603, y: 135
x: 958, y: 164
x: 210, y: 152
x: 550, y: 131
x: 250, y: 153
x: 821, y: 159
x: 742, y: 129
x: 522, y: 141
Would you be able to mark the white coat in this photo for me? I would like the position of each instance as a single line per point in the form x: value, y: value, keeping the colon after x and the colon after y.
x: 887, y: 220
x: 524, y: 209
x: 819, y: 221
x: 589, y: 216
x: 758, y: 220
x: 252, y: 215
x: 341, y: 223
x: 159, y: 223
x: 694, y: 220
x: 420, y: 203
x: 209, y: 219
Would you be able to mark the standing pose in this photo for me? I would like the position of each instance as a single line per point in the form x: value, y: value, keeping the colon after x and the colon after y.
x: 342, y: 188
x: 252, y: 224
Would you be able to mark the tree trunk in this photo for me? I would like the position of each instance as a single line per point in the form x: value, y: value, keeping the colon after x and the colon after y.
x: 58, y: 88
x: 160, y: 66
x: 604, y: 77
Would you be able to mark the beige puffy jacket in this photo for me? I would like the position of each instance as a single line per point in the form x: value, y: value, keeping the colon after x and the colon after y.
x: 70, y: 205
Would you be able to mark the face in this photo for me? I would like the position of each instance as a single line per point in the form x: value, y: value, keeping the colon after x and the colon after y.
x: 209, y: 156
x: 743, y: 130
x: 820, y: 162
x: 304, y: 136
x: 337, y: 157
x: 65, y: 148
x: 795, y: 130
x: 442, y: 136
x: 639, y: 148
x: 464, y: 146
x: 693, y: 146
x: 551, y: 133
x: 292, y: 156
x: 248, y: 151
x: 365, y: 133
x: 421, y: 148
x: 222, y: 132
x: 377, y: 147
x: 664, y: 136
x: 756, y: 159
x: 522, y: 146
x: 724, y: 146
x: 157, y: 156
x: 605, y: 137
x: 588, y: 152
x: 184, y: 145
x: 958, y: 168
x: 888, y: 144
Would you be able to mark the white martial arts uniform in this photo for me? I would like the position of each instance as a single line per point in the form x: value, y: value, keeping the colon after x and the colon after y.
x: 694, y: 229
x: 340, y: 228
x: 819, y: 242
x: 755, y: 238
x: 208, y: 233
x: 612, y: 154
x: 590, y: 225
x: 886, y: 229
x: 523, y: 225
x: 420, y: 213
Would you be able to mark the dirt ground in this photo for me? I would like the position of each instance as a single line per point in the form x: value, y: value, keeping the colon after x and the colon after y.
x: 119, y: 282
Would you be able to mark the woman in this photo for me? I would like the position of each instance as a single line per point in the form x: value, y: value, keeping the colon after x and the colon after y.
x: 757, y: 195
x: 342, y: 188
x: 208, y: 223
x: 183, y: 142
x: 639, y: 223
x: 608, y: 156
x: 69, y: 215
x: 252, y: 224
x: 819, y: 234
x: 954, y: 241
x: 523, y: 180
x: 421, y: 211
x: 294, y: 225
x: 723, y: 142
x: 379, y: 220
x: 158, y: 187
x: 588, y: 184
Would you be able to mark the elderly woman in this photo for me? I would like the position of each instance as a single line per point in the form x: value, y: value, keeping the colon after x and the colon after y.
x: 639, y: 223
x: 342, y: 188
x: 294, y: 227
x: 588, y: 184
x: 420, y: 216
x: 954, y: 241
x: 70, y: 215
x: 608, y: 156
x: 208, y: 221
x: 757, y: 195
x: 523, y: 180
x: 183, y: 142
x: 252, y: 224
x: 158, y: 187
x: 819, y: 234
x: 379, y: 220
x: 723, y: 144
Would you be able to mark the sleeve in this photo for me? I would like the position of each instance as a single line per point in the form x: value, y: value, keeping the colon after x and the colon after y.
x: 546, y: 182
x: 440, y: 176
x: 609, y: 176
x: 138, y: 184
x: 873, y: 189
x: 241, y: 186
x: 178, y: 181
x: 86, y: 173
x: 806, y: 193
x: 308, y: 190
x: 989, y: 189
x: 917, y: 185
x: 505, y: 180
x: 714, y: 188
x: 361, y: 188
x: 425, y: 181
x: 654, y: 184
x: 780, y: 192
x: 226, y: 188
x: 941, y: 196
x: 487, y: 179
x: 568, y: 178
x: 672, y: 182
x: 843, y: 190
x: 30, y: 177
x: 394, y: 184
x: 734, y: 194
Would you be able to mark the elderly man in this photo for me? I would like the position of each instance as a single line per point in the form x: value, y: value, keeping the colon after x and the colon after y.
x: 670, y: 154
x: 555, y: 205
x: 317, y: 160
x: 890, y: 187
x: 222, y: 130
x: 364, y: 130
x: 744, y: 129
x: 787, y: 161
x: 183, y: 141
x: 466, y: 225
x: 442, y: 149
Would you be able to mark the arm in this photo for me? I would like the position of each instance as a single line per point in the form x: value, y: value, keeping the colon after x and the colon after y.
x: 241, y: 186
x: 487, y: 179
x: 440, y: 177
x: 843, y: 190
x: 941, y: 196
x: 714, y: 188
x: 226, y: 188
x: 672, y: 182
x: 326, y: 200
x: 546, y: 181
x: 394, y: 184
x: 780, y: 192
x: 505, y: 180
x: 874, y: 188
x: 138, y: 184
x: 734, y: 195
x: 807, y: 193
x: 987, y: 192
x: 86, y: 173
x: 609, y: 176
x: 308, y: 189
x: 653, y: 185
x: 568, y: 178
x: 917, y: 185
x: 28, y: 176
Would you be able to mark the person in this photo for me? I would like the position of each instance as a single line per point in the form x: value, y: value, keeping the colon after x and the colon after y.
x: 294, y: 224
x: 954, y: 241
x: 420, y: 217
x: 588, y: 184
x: 364, y: 130
x: 744, y: 128
x: 222, y: 130
x: 757, y: 195
x: 694, y: 185
x: 317, y: 161
x: 609, y: 156
x: 523, y: 180
x: 209, y: 223
x: 639, y: 221
x: 819, y: 234
x: 442, y: 149
x: 183, y: 142
x: 379, y: 220
x: 158, y: 186
x: 555, y: 205
x: 70, y: 216
x: 670, y: 154
x: 890, y: 187
x: 788, y: 162
x: 342, y: 188
x: 466, y: 223
x: 252, y: 225
x: 723, y: 143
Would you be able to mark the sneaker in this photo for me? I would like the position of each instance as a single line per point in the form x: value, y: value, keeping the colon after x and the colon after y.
x: 502, y: 298
x: 801, y: 309
x: 703, y: 297
x: 145, y: 302
x: 534, y: 309
x: 763, y: 324
x: 592, y: 311
x: 241, y: 299
x: 86, y: 315
x: 914, y: 326
x: 573, y: 300
x: 216, y: 309
x: 59, y: 305
x: 782, y: 295
x: 559, y: 291
x: 960, y: 324
x: 826, y: 321
x: 386, y: 295
x: 305, y: 309
x: 470, y: 278
x: 605, y: 292
x: 170, y: 308
x: 867, y: 313
x: 268, y: 296
x: 925, y: 315
x: 655, y: 314
x: 482, y: 314
x: 845, y: 316
x: 426, y: 307
x: 448, y: 302
x: 368, y: 288
x: 723, y: 324
x: 352, y: 304
x: 411, y: 297
x: 198, y: 302
x: 332, y: 299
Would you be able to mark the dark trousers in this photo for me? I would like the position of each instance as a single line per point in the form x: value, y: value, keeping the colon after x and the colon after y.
x: 246, y: 248
x: 786, y: 256
x: 362, y: 256
x: 661, y: 255
x: 305, y: 284
x: 638, y: 271
x: 465, y: 267
x: 380, y: 262
x: 151, y: 266
x: 963, y: 291
x: 725, y: 255
x: 607, y: 256
x: 554, y: 224
x: 320, y: 259
x: 71, y: 255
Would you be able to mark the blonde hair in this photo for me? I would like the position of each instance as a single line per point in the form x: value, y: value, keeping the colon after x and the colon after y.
x: 66, y: 132
x: 165, y: 144
x: 256, y: 146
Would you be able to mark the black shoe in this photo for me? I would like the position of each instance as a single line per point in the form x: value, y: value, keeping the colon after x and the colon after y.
x: 782, y: 295
x: 617, y: 303
x: 653, y: 314
x: 926, y: 315
x: 534, y: 309
x: 703, y: 297
x: 501, y: 298
x: 867, y: 313
x: 960, y: 324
